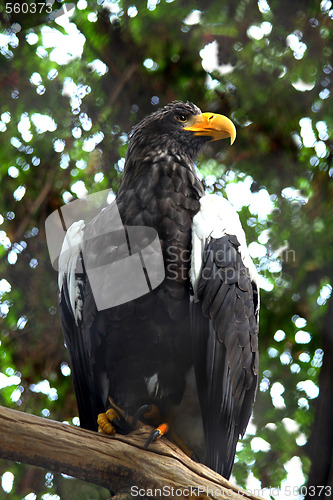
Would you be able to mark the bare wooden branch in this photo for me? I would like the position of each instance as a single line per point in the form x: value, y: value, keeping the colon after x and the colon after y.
x: 119, y: 463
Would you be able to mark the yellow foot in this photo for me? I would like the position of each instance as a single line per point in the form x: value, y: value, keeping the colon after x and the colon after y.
x: 105, y: 420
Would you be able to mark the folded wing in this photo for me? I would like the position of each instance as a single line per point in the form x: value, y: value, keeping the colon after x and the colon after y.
x: 224, y: 315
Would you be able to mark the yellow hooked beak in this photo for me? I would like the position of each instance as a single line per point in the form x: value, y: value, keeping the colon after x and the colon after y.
x: 212, y: 125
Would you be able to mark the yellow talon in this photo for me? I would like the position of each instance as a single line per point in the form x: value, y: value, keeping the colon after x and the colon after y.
x: 104, y: 421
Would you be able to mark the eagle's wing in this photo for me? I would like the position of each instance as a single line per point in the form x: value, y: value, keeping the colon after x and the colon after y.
x: 73, y: 287
x: 224, y: 314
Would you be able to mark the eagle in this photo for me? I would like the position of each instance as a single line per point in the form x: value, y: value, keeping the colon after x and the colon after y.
x: 182, y: 353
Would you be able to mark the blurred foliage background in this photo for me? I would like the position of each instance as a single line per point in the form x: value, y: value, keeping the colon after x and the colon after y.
x: 71, y: 88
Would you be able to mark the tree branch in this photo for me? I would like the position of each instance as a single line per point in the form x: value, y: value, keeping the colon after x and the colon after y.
x: 118, y: 463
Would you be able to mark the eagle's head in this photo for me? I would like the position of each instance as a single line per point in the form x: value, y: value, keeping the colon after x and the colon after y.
x: 178, y: 128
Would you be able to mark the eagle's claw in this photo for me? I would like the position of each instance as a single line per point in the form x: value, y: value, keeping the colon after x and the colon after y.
x: 160, y: 431
x: 113, y: 421
x: 107, y: 420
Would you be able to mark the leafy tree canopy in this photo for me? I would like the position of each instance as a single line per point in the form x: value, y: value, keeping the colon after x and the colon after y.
x: 71, y: 88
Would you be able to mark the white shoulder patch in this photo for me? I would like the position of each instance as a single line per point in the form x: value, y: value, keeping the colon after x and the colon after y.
x: 215, y: 219
x: 70, y: 251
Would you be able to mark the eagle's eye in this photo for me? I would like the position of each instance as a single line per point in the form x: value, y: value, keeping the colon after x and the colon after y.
x: 181, y: 118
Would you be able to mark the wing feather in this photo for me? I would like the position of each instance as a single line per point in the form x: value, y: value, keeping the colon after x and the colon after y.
x: 77, y: 347
x: 225, y: 329
x: 73, y: 294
